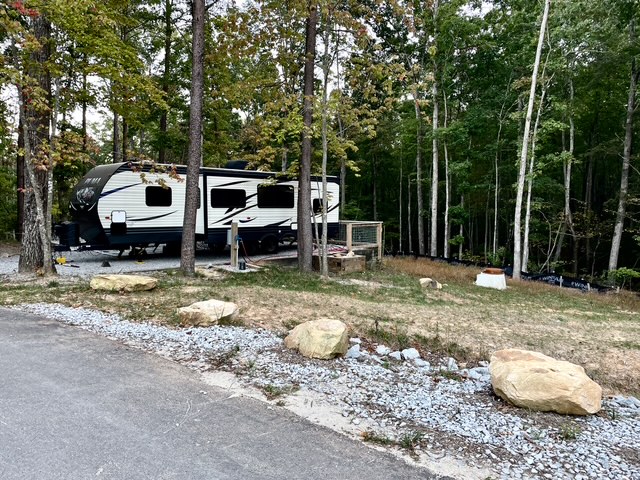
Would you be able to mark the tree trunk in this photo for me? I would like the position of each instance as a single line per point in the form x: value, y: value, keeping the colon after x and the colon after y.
x: 626, y: 160
x: 409, y: 227
x: 461, y: 232
x: 434, y: 174
x: 125, y: 140
x: 117, y: 147
x: 305, y: 240
x: 192, y: 192
x: 527, y: 216
x: 20, y: 180
x: 421, y: 241
x: 517, y: 234
x: 35, y: 252
x: 166, y: 78
x: 447, y: 184
x: 326, y: 67
x: 400, y: 209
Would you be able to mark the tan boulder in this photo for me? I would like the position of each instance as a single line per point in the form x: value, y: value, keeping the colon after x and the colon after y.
x: 126, y: 283
x: 533, y: 380
x: 324, y: 338
x: 430, y: 283
x: 209, y: 312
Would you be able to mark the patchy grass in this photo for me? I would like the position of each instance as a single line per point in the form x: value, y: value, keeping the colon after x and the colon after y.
x: 387, y: 305
x: 272, y: 391
x: 370, y: 436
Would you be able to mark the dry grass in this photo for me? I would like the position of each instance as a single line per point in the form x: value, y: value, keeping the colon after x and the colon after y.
x: 600, y: 332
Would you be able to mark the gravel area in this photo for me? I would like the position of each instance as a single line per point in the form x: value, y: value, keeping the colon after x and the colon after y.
x: 87, y: 263
x: 432, y: 408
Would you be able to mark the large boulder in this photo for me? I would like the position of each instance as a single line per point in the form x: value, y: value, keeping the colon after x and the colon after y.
x: 533, y: 380
x: 209, y: 312
x: 324, y: 338
x: 125, y: 283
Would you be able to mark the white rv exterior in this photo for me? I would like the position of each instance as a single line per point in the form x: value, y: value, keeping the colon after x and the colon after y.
x: 120, y: 206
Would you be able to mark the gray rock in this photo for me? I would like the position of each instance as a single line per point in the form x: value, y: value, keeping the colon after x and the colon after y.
x: 354, y: 351
x: 396, y: 355
x: 355, y: 340
x: 452, y: 365
x: 383, y: 350
x: 410, y: 354
x: 421, y: 363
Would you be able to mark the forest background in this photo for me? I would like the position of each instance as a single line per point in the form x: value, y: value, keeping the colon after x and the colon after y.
x: 420, y: 107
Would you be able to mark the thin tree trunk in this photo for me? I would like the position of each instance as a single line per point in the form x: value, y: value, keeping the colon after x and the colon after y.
x: 400, y: 208
x: 20, y: 179
x: 85, y: 139
x: 305, y: 240
x: 527, y: 216
x: 326, y: 67
x: 517, y: 234
x: 125, y: 140
x: 420, y: 200
x: 447, y: 184
x: 434, y: 173
x: 626, y: 159
x: 461, y: 232
x: 409, y: 227
x: 192, y: 192
x: 166, y: 79
x: 117, y: 147
x: 374, y: 188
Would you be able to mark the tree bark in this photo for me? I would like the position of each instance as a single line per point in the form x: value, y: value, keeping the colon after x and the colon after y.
x: 192, y: 192
x: 117, y: 147
x: 420, y: 200
x: 20, y: 180
x: 35, y: 252
x: 626, y: 160
x: 166, y: 79
x: 433, y: 251
x: 326, y: 68
x: 517, y: 234
x: 305, y: 239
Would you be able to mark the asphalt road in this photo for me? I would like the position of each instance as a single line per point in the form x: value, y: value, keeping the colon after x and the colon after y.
x: 74, y: 405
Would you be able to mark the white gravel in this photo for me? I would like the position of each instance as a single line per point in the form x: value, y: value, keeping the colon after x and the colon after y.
x: 398, y: 398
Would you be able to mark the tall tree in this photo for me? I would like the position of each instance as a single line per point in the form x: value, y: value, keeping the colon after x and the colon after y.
x: 192, y: 192
x: 626, y: 155
x: 305, y: 238
x: 517, y: 234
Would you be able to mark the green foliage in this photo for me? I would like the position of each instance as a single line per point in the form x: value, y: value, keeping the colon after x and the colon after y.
x: 8, y: 205
x: 623, y: 275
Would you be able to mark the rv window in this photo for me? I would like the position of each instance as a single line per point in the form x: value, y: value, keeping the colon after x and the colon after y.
x: 275, y: 196
x: 158, y: 196
x: 317, y: 205
x: 228, y: 198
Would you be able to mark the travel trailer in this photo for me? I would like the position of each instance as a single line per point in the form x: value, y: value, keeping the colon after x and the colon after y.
x: 127, y: 205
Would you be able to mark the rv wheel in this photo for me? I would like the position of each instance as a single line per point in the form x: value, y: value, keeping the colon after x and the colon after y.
x: 269, y: 244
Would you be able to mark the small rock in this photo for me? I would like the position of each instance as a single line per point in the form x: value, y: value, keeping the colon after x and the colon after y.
x: 383, y: 350
x: 452, y: 365
x: 396, y: 355
x: 206, y: 313
x: 410, y: 354
x: 354, y: 351
x: 355, y: 340
x: 421, y: 363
